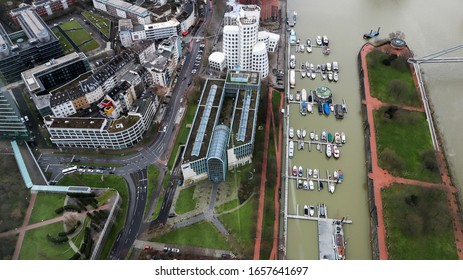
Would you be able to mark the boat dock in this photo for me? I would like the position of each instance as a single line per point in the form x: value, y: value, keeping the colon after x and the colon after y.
x: 329, y: 179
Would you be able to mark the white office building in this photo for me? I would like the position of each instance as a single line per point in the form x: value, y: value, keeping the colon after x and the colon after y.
x: 248, y: 24
x: 217, y: 61
x: 230, y: 45
x: 270, y: 39
x: 260, y: 59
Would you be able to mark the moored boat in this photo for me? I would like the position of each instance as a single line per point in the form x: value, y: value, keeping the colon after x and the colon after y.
x: 315, y: 173
x: 323, y: 138
x: 294, y: 170
x: 300, y: 171
x: 330, y: 76
x: 305, y: 185
x: 312, y: 135
x: 291, y: 97
x: 309, y: 172
x: 309, y: 48
x: 335, y: 174
x: 304, y: 133
x: 319, y: 40
x: 335, y: 152
x: 337, y: 138
x: 331, y: 187
x: 330, y: 137
x: 343, y: 138
x: 316, y: 137
x: 309, y: 108
x: 325, y: 40
x: 291, y: 148
x: 306, y: 210
x: 311, y: 210
x: 320, y: 108
x: 335, y: 76
x: 328, y: 150
x: 318, y: 147
x: 302, y: 48
x: 303, y: 73
x: 340, y: 176
x: 328, y: 66
x: 298, y: 133
x: 299, y: 184
x: 298, y: 96
x: 311, y: 185
x: 292, y: 61
x: 322, y: 213
x: 313, y: 75
x: 326, y: 108
x: 291, y: 132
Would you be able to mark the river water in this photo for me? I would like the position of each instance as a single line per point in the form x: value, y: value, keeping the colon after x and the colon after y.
x: 428, y: 26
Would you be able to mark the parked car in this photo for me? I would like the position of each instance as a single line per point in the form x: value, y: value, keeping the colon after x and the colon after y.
x: 175, y: 250
x: 148, y: 247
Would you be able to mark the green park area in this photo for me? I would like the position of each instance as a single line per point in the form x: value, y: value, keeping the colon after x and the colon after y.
x: 202, y: 234
x: 79, y: 35
x: 418, y: 223
x: 103, y: 24
x: 391, y: 80
x: 45, y: 206
x: 65, y: 45
x: 104, y: 181
x: 36, y: 246
x: 153, y: 173
x: 404, y: 144
x: 186, y: 202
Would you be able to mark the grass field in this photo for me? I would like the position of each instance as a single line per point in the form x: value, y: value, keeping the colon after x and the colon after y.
x: 157, y: 209
x: 103, y: 24
x: 242, y: 225
x: 202, y: 234
x: 418, y: 223
x: 380, y: 77
x: 153, y: 173
x: 110, y: 181
x: 227, y: 206
x: 36, y: 246
x: 79, y: 35
x: 185, y: 201
x: 407, y: 135
x: 45, y: 206
x: 14, y: 196
x: 65, y: 45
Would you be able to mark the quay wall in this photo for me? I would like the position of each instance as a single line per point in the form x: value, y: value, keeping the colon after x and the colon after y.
x: 370, y: 183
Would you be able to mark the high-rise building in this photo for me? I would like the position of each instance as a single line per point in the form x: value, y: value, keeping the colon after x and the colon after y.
x: 21, y: 50
x: 12, y: 125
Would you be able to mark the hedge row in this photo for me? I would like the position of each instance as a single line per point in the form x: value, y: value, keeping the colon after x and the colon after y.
x: 57, y: 240
x: 71, y: 208
x: 71, y: 230
x: 92, y: 194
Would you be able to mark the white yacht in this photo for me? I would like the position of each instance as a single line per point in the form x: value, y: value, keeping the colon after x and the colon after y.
x: 291, y: 132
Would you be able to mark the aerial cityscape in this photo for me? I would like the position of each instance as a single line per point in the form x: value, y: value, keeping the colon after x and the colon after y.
x: 229, y: 130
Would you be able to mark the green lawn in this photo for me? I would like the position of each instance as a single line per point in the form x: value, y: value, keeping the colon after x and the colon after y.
x: 103, y: 24
x: 202, y: 234
x: 418, y: 223
x: 79, y: 237
x: 36, y: 246
x: 109, y: 181
x: 153, y: 173
x: 407, y: 135
x: 65, y: 45
x: 227, y: 206
x: 380, y: 77
x: 79, y: 35
x: 185, y: 201
x: 157, y: 209
x: 242, y: 225
x: 45, y: 206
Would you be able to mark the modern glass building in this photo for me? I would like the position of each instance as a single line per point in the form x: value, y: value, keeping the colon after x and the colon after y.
x: 217, y: 164
x: 11, y: 124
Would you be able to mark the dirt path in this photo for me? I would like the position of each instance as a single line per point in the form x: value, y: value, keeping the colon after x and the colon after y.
x: 383, y: 179
x: 263, y: 181
x: 278, y: 148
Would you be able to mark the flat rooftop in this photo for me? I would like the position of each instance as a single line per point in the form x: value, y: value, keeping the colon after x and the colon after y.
x: 245, y: 115
x: 77, y: 123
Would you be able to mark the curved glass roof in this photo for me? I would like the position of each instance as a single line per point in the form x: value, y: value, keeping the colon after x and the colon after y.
x: 218, y: 142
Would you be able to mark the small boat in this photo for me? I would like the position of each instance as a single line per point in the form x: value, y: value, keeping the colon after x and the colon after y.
x: 335, y: 174
x: 337, y: 138
x: 319, y: 40
x: 315, y: 173
x: 292, y: 61
x: 340, y: 176
x: 316, y: 137
x: 311, y: 185
x: 326, y: 50
x: 306, y: 210
x: 294, y: 170
x: 309, y: 43
x: 323, y: 76
x: 298, y: 96
x: 312, y: 135
x: 335, y: 152
x: 330, y: 76
x: 318, y: 67
x: 291, y: 132
x: 372, y: 34
x: 325, y: 40
x: 303, y: 73
x: 331, y: 187
x: 330, y: 137
x: 309, y: 48
x: 313, y: 75
x: 323, y: 138
x: 300, y: 171
x: 307, y: 65
x: 328, y: 150
x: 335, y: 76
x: 320, y: 185
x: 326, y: 108
x: 323, y: 66
x: 328, y: 66
x: 335, y: 66
x: 305, y: 185
x: 300, y: 145
x: 291, y: 97
x: 332, y: 107
x: 299, y: 184
x: 322, y: 210
x: 312, y: 67
x: 302, y: 48
x: 311, y: 210
x: 309, y: 172
x: 309, y: 108
x: 318, y: 147
x: 298, y: 133
x: 320, y: 108
x: 298, y: 41
x: 343, y: 138
x: 304, y: 133
x: 291, y: 149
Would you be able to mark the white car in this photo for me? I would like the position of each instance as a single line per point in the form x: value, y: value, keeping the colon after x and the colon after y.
x: 175, y: 250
